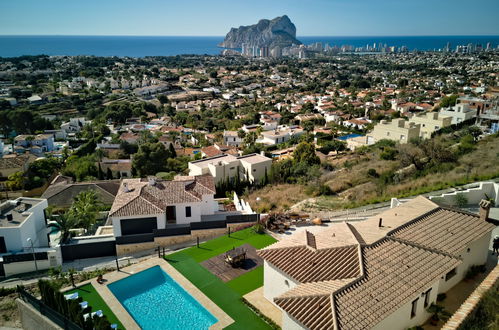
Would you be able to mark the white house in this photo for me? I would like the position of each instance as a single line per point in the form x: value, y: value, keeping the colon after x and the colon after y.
x: 459, y: 113
x: 142, y: 206
x: 223, y: 167
x: 232, y: 139
x: 280, y: 135
x: 74, y: 125
x: 381, y: 273
x: 23, y: 230
x: 36, y: 144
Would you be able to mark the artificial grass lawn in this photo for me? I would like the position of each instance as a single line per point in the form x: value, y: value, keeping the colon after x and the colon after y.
x: 89, y: 294
x: 247, y: 282
x: 226, y: 295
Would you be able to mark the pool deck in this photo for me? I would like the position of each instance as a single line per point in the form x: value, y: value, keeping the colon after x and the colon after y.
x: 127, y: 320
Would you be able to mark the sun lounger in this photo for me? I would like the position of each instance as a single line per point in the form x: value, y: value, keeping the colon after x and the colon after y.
x: 84, y: 304
x: 114, y: 326
x: 98, y: 313
x: 71, y: 296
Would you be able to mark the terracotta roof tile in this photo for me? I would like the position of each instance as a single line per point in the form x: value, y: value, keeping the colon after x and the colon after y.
x: 445, y: 230
x: 388, y: 283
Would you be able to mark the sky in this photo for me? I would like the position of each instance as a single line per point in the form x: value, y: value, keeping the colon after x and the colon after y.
x: 216, y: 17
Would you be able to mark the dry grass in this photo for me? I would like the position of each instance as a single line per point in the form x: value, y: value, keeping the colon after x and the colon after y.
x: 276, y: 197
x: 354, y: 187
x: 9, y: 314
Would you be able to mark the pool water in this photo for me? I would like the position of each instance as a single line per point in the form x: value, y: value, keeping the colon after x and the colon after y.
x: 156, y: 301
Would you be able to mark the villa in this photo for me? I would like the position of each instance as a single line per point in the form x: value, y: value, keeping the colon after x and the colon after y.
x: 143, y: 206
x: 459, y: 113
x: 381, y: 273
x: 397, y: 130
x: 23, y: 234
x: 250, y: 167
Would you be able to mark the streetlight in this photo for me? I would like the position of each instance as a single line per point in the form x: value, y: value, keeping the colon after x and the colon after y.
x: 33, y: 251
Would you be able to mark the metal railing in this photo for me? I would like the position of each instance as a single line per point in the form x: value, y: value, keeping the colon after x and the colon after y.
x: 47, y: 311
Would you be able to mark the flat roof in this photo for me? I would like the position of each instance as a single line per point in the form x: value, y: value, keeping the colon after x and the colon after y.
x: 15, y: 210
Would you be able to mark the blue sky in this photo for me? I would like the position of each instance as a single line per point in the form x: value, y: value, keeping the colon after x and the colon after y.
x: 216, y: 17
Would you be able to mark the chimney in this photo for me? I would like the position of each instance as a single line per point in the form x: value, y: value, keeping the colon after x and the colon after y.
x: 311, y: 239
x: 125, y: 187
x: 484, y: 209
x: 380, y: 224
x: 9, y: 217
x: 152, y: 181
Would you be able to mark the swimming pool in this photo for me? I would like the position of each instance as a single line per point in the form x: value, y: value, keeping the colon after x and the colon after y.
x: 156, y: 301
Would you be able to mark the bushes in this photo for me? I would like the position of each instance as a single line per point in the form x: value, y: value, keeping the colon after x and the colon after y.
x: 485, y: 314
x: 473, y: 271
x: 388, y: 154
x: 71, y: 309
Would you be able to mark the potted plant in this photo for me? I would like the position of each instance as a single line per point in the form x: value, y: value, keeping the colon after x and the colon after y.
x: 437, y: 313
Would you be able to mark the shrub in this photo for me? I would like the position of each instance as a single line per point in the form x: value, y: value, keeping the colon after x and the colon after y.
x: 474, y: 270
x: 258, y: 228
x: 372, y: 173
x: 388, y: 154
x: 441, y: 297
x: 461, y: 200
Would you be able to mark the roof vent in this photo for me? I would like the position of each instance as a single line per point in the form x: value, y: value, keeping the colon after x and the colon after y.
x: 125, y: 187
x: 311, y: 240
x: 152, y: 181
x: 380, y: 224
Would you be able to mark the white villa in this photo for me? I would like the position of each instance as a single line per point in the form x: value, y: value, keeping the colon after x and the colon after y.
x: 144, y: 205
x: 459, y: 113
x: 381, y: 273
x: 23, y: 231
x: 251, y: 167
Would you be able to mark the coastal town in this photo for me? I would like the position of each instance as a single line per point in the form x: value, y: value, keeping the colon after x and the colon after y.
x: 296, y: 187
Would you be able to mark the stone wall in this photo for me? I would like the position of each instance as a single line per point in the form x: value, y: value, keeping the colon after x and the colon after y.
x: 470, y: 304
x: 167, y: 241
x: 31, y: 319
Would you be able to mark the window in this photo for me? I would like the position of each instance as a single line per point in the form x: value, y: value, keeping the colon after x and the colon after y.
x: 188, y: 211
x: 254, y: 170
x: 402, y: 137
x: 414, y: 307
x: 387, y: 133
x: 450, y: 274
x: 232, y: 168
x: 427, y: 297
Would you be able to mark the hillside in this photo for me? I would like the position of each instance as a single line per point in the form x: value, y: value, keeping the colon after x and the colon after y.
x: 386, y: 170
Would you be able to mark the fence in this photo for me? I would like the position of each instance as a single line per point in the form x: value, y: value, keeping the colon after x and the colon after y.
x: 47, y: 311
x: 185, y: 229
x: 89, y: 249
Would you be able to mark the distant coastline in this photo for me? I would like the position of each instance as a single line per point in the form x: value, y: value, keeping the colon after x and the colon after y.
x: 141, y: 46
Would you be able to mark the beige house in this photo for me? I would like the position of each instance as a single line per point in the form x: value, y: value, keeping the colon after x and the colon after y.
x: 223, y: 167
x: 430, y: 122
x: 397, y: 130
x: 381, y: 273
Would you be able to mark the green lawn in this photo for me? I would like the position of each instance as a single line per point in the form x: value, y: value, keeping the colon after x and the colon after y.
x: 226, y: 295
x: 89, y: 294
x: 247, y: 282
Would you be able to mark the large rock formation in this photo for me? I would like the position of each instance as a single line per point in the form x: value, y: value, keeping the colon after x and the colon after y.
x: 267, y: 33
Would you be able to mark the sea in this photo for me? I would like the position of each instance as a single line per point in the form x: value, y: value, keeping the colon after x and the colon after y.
x: 141, y: 46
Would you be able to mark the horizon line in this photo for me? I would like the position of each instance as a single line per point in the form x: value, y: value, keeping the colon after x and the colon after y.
x: 221, y: 36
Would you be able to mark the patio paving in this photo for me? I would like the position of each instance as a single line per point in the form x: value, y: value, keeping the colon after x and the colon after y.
x: 218, y: 267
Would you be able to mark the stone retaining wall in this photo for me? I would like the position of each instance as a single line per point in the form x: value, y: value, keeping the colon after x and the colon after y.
x: 165, y: 241
x: 32, y: 319
x: 470, y: 304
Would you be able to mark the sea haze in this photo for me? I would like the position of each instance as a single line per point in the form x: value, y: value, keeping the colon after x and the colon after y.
x: 140, y: 46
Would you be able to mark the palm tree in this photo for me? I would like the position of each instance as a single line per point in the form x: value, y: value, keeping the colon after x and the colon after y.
x: 64, y: 222
x: 85, y: 208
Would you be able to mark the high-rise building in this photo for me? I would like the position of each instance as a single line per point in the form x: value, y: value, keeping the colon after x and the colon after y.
x: 264, y: 52
x: 276, y: 52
